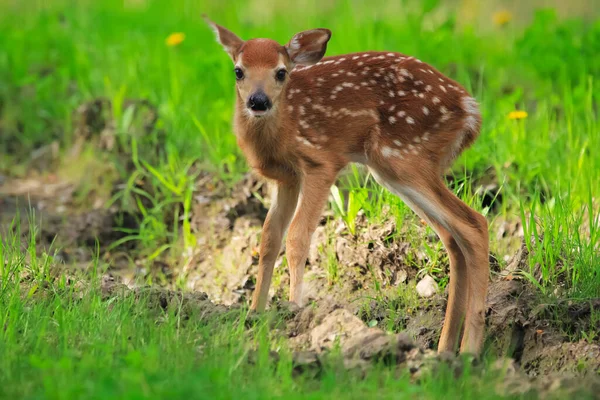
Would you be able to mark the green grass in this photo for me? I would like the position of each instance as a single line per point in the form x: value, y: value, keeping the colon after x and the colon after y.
x: 55, y: 56
x: 63, y: 339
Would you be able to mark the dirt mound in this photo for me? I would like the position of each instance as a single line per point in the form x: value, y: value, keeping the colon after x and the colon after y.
x: 519, y: 325
x: 318, y: 333
x: 359, y: 345
x: 227, y: 224
x: 375, y: 265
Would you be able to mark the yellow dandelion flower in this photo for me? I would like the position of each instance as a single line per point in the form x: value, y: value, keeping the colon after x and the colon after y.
x: 517, y: 114
x: 502, y: 18
x: 175, y: 39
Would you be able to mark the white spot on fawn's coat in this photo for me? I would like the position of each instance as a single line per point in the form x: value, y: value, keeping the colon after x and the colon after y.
x: 404, y: 72
x: 470, y: 105
x: 388, y: 152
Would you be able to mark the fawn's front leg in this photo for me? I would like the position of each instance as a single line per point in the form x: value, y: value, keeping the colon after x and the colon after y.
x: 278, y: 219
x: 315, y: 191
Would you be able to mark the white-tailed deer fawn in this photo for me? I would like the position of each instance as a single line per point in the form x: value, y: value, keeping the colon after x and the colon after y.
x: 299, y: 119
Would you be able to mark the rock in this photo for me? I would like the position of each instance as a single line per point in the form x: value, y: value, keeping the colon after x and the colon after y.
x: 427, y: 287
x: 401, y: 277
x: 339, y: 325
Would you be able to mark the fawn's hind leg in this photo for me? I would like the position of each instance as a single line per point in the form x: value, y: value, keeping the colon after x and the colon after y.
x: 464, y: 234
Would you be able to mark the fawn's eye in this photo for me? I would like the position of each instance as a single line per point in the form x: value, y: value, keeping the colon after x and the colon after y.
x: 239, y: 74
x: 280, y: 75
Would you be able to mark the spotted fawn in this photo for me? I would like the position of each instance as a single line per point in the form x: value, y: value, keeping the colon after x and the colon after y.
x: 300, y: 118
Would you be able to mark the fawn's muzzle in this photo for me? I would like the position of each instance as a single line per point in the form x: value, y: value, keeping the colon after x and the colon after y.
x: 259, y: 102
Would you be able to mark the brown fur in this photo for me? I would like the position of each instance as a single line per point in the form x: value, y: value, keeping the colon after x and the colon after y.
x: 399, y: 116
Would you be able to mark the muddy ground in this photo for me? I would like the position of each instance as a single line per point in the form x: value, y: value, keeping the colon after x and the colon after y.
x: 360, y: 289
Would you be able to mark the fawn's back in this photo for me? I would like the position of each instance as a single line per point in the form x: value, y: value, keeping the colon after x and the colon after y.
x: 378, y: 106
x: 374, y: 108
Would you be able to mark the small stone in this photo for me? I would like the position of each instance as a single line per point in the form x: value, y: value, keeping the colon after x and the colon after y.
x: 401, y: 276
x: 427, y: 287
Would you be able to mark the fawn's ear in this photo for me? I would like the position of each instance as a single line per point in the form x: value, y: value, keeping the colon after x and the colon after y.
x: 229, y: 40
x: 308, y: 47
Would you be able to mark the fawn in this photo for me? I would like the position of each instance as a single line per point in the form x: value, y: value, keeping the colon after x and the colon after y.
x: 300, y: 118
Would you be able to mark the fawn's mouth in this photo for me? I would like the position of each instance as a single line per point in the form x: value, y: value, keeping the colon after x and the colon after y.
x: 257, y: 113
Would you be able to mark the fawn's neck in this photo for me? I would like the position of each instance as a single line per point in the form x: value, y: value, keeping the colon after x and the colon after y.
x: 263, y: 141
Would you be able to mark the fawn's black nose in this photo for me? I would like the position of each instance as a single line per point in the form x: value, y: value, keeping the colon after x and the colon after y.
x: 259, y: 101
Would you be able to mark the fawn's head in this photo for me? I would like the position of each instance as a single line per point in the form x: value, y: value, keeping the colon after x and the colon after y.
x: 262, y: 66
